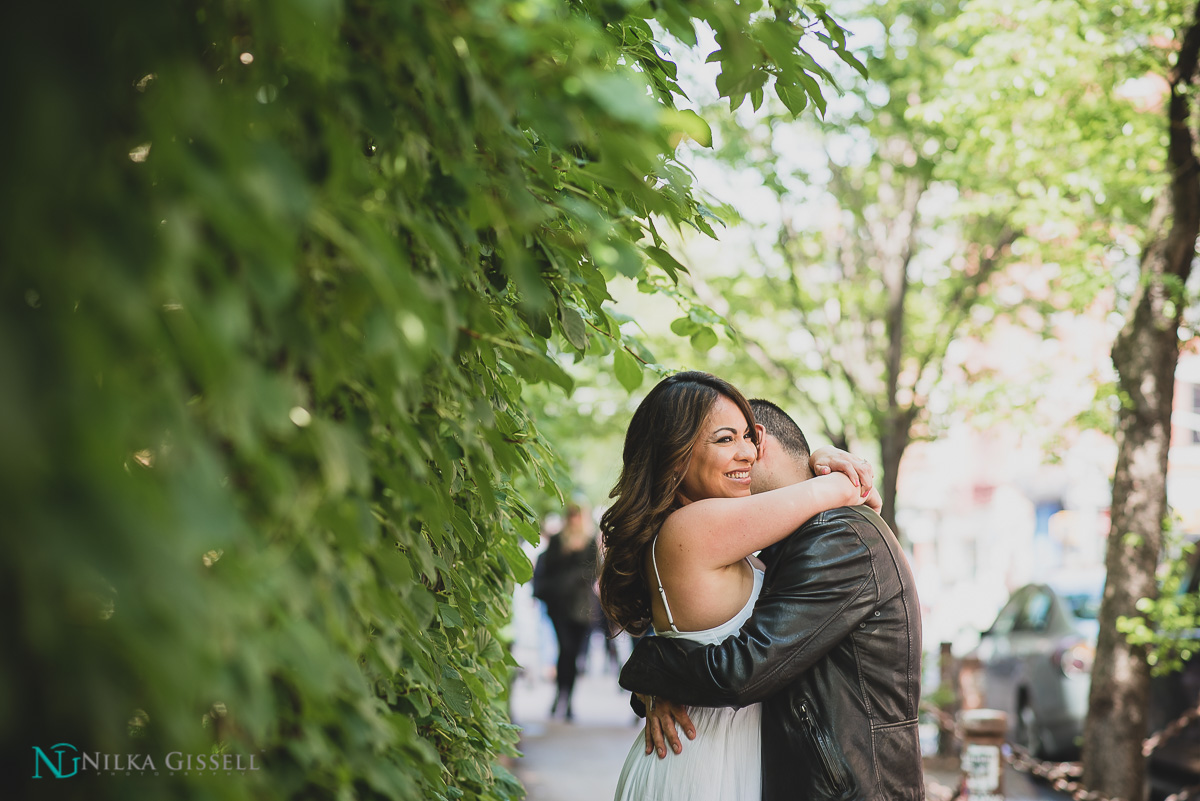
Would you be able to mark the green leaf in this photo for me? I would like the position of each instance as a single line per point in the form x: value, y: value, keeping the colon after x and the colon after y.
x: 422, y: 604
x: 518, y: 562
x: 666, y: 261
x: 627, y: 369
x: 676, y: 17
x: 794, y: 97
x: 528, y: 532
x: 813, y: 90
x: 574, y: 329
x: 420, y: 702
x: 620, y: 256
x: 628, y: 262
x: 538, y: 321
x: 688, y: 122
x: 449, y: 616
x: 622, y: 95
x: 454, y: 692
x: 684, y: 326
x: 849, y: 57
x: 704, y: 339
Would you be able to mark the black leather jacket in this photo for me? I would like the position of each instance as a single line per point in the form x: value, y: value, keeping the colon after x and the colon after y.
x: 833, y: 651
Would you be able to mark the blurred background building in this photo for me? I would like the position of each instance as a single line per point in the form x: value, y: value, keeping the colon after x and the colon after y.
x: 987, y: 510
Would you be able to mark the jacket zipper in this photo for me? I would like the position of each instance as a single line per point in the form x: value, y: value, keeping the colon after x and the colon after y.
x: 835, y: 773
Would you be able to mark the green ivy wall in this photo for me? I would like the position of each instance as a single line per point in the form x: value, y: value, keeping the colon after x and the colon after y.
x: 275, y: 274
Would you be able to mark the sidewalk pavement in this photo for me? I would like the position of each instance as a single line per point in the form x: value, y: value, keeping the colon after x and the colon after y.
x: 577, y: 761
x: 580, y: 760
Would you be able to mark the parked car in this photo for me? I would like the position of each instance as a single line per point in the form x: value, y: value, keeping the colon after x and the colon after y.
x: 1037, y: 658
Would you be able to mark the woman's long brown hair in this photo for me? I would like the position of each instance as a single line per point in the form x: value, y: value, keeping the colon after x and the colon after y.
x: 658, y: 446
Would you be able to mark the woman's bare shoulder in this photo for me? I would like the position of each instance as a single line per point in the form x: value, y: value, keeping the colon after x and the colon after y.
x: 686, y: 531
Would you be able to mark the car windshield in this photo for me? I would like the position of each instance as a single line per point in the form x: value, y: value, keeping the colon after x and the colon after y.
x: 1082, y: 605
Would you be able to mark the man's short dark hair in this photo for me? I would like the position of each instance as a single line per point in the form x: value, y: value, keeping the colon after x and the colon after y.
x: 782, y: 427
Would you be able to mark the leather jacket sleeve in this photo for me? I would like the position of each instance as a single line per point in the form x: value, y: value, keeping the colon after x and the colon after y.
x: 820, y: 586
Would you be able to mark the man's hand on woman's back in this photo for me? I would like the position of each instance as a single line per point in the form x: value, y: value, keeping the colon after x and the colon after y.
x: 662, y: 717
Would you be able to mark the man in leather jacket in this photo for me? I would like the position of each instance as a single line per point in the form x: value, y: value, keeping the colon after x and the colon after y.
x: 833, y: 651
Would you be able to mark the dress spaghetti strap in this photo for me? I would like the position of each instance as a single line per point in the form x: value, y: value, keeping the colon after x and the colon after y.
x: 661, y: 592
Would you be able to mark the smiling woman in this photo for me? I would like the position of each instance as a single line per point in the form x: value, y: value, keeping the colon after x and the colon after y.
x: 721, y: 459
x: 659, y: 448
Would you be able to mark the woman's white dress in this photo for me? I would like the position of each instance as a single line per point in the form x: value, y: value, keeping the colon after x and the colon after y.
x: 723, y: 763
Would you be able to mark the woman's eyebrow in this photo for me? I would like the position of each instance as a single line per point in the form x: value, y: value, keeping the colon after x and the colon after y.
x: 730, y: 429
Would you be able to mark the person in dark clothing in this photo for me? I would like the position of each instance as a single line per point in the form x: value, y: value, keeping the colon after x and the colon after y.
x: 564, y: 580
x: 832, y: 651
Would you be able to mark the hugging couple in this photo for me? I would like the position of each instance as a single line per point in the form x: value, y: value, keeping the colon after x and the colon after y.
x: 801, y: 671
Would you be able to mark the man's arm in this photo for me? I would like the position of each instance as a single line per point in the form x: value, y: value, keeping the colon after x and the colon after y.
x: 820, y: 587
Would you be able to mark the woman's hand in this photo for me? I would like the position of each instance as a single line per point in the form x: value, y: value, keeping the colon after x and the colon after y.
x: 835, y: 489
x: 829, y: 459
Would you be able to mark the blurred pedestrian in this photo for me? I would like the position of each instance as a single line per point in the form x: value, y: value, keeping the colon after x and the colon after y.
x: 564, y: 580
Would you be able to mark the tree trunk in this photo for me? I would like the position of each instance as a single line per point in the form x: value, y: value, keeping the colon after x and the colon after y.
x: 895, y: 436
x: 1144, y: 354
x: 895, y: 429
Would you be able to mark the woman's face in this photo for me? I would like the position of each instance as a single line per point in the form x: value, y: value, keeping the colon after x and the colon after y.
x: 720, y: 464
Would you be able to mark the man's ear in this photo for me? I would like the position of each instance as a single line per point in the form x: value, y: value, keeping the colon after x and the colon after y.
x: 761, y: 433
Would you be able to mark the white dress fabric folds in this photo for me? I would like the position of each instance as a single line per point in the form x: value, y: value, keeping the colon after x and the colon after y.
x: 723, y: 763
